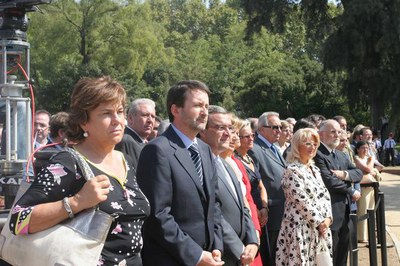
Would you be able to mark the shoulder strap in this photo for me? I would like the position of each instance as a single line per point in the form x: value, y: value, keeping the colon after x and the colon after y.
x: 83, y: 165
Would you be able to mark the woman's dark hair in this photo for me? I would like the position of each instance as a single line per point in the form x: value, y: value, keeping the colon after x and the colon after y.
x: 303, y: 123
x: 359, y: 144
x: 87, y: 95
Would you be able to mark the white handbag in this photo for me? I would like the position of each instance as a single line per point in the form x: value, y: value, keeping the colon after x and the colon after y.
x: 323, y: 253
x: 76, y: 241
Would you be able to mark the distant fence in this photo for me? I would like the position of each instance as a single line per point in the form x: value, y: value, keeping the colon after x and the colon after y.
x: 376, y: 223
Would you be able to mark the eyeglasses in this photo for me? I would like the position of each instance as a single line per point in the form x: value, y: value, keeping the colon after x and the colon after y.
x: 274, y: 127
x: 310, y: 144
x: 247, y: 136
x: 223, y: 128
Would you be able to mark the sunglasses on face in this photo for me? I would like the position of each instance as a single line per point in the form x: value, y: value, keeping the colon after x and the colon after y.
x: 274, y: 127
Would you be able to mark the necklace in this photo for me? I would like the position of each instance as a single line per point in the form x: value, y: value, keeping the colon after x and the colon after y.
x: 247, y: 159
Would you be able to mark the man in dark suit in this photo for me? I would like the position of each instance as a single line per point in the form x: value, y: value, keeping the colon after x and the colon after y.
x: 141, y: 119
x: 338, y: 173
x: 272, y: 165
x: 177, y: 174
x: 239, y: 235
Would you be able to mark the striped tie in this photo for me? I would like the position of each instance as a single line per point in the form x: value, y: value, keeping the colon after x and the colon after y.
x: 194, y: 152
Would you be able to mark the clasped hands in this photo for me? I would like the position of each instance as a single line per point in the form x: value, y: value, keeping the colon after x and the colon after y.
x: 214, y: 258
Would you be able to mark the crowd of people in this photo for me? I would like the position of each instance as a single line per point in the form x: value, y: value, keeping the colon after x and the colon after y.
x: 204, y: 187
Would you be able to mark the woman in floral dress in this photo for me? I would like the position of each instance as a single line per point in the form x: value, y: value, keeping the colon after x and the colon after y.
x: 307, y: 214
x: 96, y: 124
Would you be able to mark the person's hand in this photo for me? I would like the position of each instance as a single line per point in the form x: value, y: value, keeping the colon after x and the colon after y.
x: 211, y: 259
x: 339, y: 174
x: 356, y: 195
x: 217, y: 255
x: 249, y: 253
x: 92, y: 193
x: 263, y: 216
x: 323, y: 227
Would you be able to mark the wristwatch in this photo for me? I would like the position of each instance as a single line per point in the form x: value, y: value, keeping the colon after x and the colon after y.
x: 67, y: 207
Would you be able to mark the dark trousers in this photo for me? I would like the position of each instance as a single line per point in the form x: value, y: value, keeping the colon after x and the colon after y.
x: 389, y: 156
x: 268, y: 247
x: 341, y: 240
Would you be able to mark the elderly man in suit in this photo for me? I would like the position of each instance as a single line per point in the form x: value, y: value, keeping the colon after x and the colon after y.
x: 141, y: 119
x: 177, y: 174
x: 338, y: 173
x: 272, y: 165
x: 240, y: 239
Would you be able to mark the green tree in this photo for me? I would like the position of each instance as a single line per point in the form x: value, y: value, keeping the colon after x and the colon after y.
x: 366, y: 46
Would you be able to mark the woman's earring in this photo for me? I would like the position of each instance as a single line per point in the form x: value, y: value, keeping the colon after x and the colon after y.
x: 85, y: 134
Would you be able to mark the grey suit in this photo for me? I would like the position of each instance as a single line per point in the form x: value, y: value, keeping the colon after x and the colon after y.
x: 271, y: 170
x: 238, y: 228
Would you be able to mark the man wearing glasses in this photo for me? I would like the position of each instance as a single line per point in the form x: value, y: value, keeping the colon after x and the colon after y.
x: 239, y: 235
x: 272, y: 165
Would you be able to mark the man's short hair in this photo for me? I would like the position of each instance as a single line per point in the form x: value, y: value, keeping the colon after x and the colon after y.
x: 42, y: 111
x: 177, y: 94
x: 325, y: 123
x: 338, y: 118
x: 263, y: 119
x: 215, y: 109
x: 137, y: 102
x: 362, y: 130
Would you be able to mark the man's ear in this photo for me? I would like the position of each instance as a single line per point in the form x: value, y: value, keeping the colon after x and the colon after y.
x: 174, y: 110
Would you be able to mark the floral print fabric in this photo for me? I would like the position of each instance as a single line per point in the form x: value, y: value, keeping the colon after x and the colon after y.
x: 126, y: 202
x: 307, y: 205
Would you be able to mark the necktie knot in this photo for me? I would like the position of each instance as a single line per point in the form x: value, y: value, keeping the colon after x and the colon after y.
x: 193, y: 148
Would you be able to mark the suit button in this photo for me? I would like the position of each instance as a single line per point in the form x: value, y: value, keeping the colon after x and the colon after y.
x: 204, y: 247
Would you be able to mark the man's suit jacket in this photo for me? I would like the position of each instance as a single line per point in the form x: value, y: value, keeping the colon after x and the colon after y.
x: 271, y: 170
x: 340, y: 191
x: 185, y: 219
x: 130, y: 145
x: 238, y: 228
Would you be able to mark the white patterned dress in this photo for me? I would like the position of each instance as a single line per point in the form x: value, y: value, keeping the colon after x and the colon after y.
x: 307, y: 205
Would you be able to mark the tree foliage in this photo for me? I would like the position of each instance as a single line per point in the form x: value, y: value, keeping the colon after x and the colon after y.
x: 255, y: 55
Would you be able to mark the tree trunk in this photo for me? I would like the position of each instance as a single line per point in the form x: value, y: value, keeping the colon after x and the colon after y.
x: 395, y: 113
